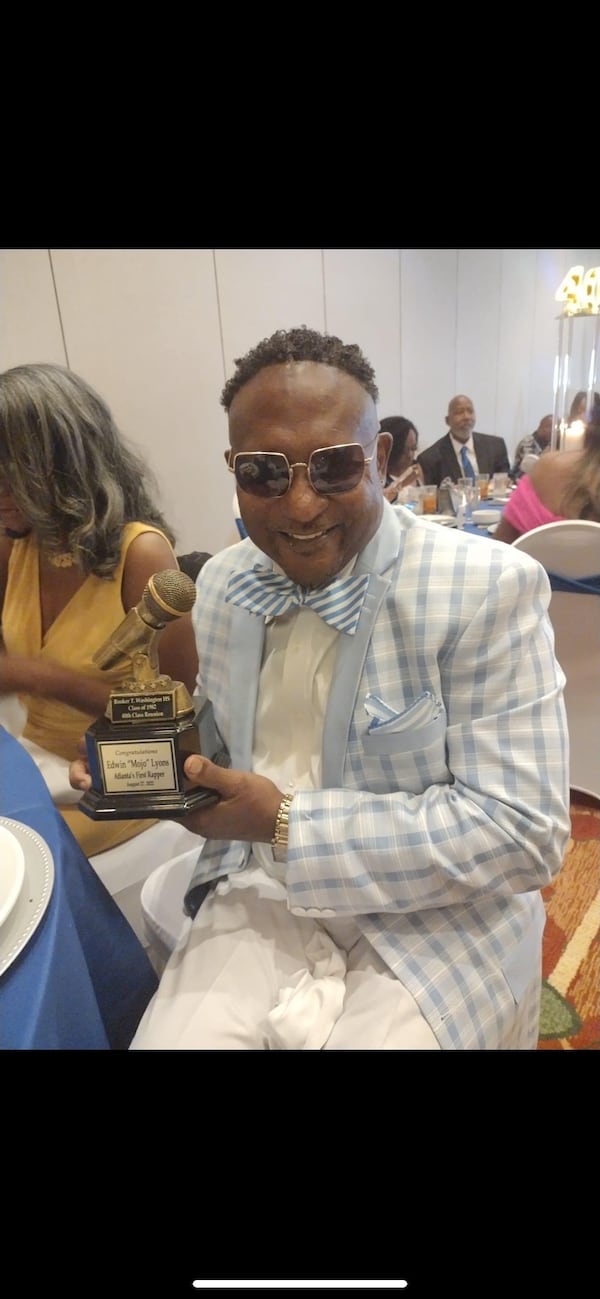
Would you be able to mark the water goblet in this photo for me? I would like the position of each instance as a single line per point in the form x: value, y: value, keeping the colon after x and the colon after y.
x: 470, y: 496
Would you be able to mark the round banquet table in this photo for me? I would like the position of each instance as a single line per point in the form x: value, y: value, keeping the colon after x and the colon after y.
x: 82, y: 980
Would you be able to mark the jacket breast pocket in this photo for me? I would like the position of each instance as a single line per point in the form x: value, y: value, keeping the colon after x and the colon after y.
x: 409, y: 759
x: 413, y: 739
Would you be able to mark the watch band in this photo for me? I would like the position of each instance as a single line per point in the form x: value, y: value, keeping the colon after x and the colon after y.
x: 279, y: 842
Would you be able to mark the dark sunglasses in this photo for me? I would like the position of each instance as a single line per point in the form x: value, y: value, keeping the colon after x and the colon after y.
x: 330, y: 470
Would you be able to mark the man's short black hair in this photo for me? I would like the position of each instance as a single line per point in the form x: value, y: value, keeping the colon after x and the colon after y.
x: 301, y: 344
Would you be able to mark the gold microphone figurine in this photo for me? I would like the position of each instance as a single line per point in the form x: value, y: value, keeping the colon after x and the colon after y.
x: 151, y: 724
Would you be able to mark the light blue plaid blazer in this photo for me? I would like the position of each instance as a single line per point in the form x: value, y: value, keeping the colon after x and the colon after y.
x: 436, y: 838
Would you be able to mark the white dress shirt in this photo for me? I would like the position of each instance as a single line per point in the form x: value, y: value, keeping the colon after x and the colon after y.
x: 293, y: 689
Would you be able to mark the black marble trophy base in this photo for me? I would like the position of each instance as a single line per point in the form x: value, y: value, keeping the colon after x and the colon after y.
x: 137, y: 769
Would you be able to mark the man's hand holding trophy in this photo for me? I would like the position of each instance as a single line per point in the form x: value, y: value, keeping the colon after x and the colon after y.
x: 151, y: 724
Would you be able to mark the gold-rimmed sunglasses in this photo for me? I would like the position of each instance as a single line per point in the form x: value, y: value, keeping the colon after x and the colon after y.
x: 330, y: 470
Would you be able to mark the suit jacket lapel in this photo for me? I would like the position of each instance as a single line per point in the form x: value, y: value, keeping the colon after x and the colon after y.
x: 482, y: 452
x: 450, y: 466
x: 380, y: 553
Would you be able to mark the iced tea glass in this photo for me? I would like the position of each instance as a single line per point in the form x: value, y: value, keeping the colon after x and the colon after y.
x: 429, y: 498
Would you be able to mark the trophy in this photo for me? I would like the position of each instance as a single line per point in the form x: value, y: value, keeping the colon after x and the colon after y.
x: 136, y: 751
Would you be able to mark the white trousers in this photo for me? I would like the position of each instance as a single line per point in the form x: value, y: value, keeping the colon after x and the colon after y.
x: 249, y: 975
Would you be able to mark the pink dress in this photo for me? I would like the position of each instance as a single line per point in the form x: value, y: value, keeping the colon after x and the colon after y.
x: 525, y: 511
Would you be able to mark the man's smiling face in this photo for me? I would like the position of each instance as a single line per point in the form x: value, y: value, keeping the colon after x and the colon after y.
x: 297, y: 408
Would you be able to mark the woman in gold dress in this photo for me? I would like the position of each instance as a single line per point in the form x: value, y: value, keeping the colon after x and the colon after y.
x: 80, y: 535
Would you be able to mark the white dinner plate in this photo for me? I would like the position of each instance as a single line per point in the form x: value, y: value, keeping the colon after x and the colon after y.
x: 447, y: 520
x: 492, y: 528
x: 12, y: 871
x: 484, y: 517
x: 34, y: 895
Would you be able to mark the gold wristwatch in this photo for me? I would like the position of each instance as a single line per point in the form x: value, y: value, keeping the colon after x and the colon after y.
x: 279, y: 842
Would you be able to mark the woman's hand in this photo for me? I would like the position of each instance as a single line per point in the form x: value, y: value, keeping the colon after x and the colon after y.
x: 79, y: 772
x: 411, y: 477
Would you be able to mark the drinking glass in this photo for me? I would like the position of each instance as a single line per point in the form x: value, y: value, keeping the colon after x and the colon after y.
x: 411, y: 497
x: 429, y: 498
x: 457, y: 498
x: 469, y: 496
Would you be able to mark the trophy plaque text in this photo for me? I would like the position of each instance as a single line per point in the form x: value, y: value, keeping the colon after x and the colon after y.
x: 151, y: 724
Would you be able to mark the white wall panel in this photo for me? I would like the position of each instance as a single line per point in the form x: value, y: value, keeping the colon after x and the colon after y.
x: 478, y: 331
x: 362, y: 301
x: 551, y: 265
x: 428, y: 338
x: 265, y: 289
x: 515, y: 413
x: 29, y: 321
x: 142, y: 326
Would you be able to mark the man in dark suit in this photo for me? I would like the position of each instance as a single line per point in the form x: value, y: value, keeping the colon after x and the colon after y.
x: 461, y: 453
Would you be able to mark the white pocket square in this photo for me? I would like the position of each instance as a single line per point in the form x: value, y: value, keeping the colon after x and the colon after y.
x: 385, y: 720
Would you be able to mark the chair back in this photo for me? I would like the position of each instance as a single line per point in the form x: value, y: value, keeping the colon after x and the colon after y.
x: 193, y: 561
x: 570, y: 548
x: 124, y: 869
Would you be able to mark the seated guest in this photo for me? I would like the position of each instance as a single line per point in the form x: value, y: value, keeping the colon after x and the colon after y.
x: 80, y: 535
x: 398, y: 798
x: 533, y: 444
x: 403, y: 470
x: 461, y: 453
x: 562, y: 485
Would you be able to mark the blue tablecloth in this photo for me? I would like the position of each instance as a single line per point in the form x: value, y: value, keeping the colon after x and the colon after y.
x: 83, y: 981
x: 482, y: 529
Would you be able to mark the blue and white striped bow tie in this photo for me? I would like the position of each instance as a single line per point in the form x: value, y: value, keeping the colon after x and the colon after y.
x: 262, y: 591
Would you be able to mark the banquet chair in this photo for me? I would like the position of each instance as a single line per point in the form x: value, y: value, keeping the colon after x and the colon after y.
x: 569, y: 550
x: 164, y: 920
x: 13, y: 714
x: 125, y: 869
x: 238, y: 518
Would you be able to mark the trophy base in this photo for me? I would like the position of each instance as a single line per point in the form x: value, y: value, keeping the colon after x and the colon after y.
x: 128, y: 807
x: 137, y: 769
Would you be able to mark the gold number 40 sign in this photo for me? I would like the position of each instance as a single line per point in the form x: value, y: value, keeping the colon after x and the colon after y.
x: 580, y: 292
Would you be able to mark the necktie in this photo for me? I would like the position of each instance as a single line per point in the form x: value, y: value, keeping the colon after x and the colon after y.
x: 468, y: 470
x: 264, y: 592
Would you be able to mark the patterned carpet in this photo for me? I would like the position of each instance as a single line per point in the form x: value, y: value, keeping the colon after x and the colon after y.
x: 570, y: 1014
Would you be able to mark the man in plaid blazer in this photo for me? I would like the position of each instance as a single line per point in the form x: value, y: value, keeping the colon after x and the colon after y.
x: 398, y: 790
